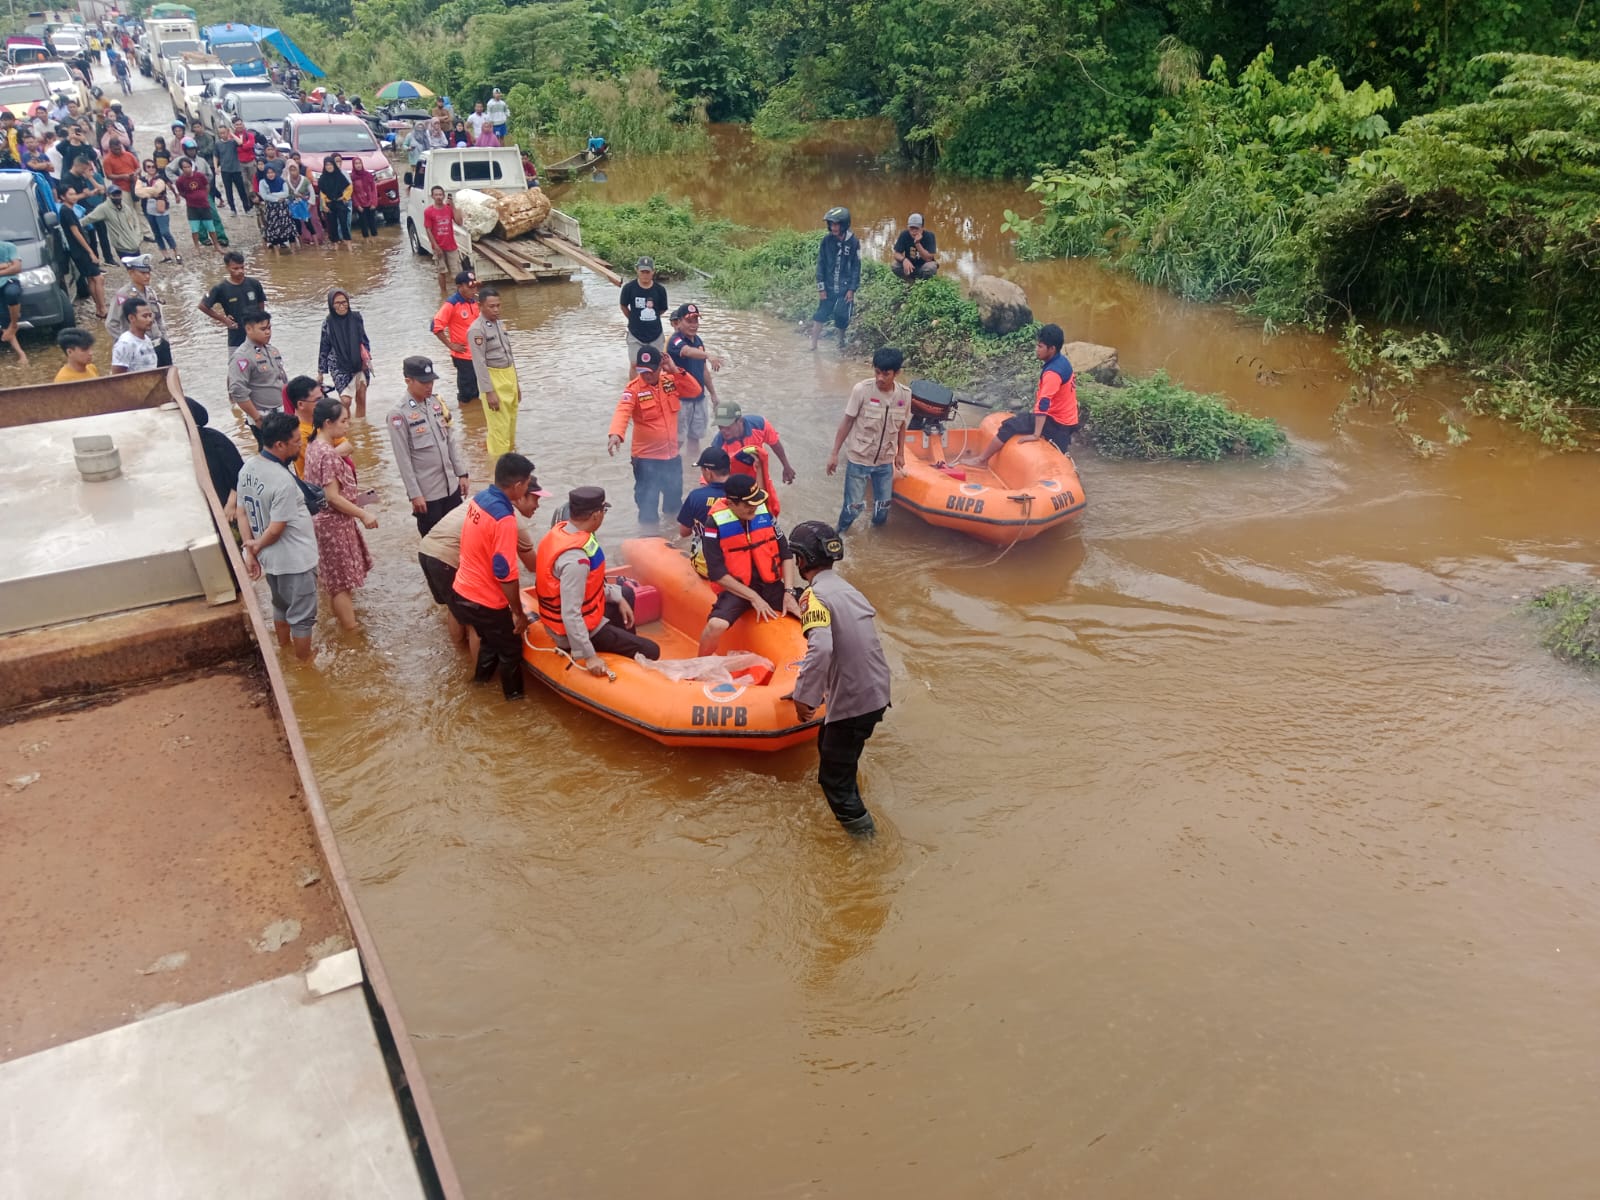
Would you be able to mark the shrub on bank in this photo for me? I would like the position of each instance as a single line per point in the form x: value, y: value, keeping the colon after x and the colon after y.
x: 1571, y: 620
x: 1156, y: 418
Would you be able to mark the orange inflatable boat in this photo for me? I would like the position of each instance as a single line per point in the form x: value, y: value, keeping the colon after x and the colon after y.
x: 1027, y: 488
x: 747, y: 714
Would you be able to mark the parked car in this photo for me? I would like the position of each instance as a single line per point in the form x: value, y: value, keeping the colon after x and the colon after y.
x: 58, y: 77
x: 28, y: 220
x: 262, y: 112
x: 19, y: 93
x: 188, y: 79
x: 217, y: 89
x: 316, y: 135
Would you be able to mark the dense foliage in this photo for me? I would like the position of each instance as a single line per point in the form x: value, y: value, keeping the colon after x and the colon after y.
x: 1570, y: 619
x: 1294, y: 196
x: 1155, y: 418
x: 986, y: 86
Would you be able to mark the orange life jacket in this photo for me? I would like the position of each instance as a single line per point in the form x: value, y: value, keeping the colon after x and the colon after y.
x: 749, y: 552
x: 547, y: 588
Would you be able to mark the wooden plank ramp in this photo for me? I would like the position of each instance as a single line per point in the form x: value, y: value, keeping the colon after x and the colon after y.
x: 578, y: 254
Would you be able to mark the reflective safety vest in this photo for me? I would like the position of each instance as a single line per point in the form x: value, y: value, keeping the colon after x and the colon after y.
x: 750, y: 552
x: 547, y: 588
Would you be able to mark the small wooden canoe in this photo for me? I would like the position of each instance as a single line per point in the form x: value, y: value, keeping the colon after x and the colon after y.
x: 1027, y: 488
x: 570, y: 168
x: 724, y: 716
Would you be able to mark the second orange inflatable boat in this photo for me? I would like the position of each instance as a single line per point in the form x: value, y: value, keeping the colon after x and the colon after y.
x: 1027, y: 488
x: 751, y: 715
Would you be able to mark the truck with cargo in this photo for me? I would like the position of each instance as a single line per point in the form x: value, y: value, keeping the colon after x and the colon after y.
x: 173, y: 36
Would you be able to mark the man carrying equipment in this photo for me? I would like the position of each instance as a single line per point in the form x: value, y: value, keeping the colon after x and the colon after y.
x: 584, y: 614
x: 845, y: 666
x: 748, y: 556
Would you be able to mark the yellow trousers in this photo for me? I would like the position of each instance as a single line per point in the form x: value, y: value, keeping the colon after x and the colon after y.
x: 502, y: 422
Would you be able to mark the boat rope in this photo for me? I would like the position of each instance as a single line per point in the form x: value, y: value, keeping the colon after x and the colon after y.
x: 571, y: 662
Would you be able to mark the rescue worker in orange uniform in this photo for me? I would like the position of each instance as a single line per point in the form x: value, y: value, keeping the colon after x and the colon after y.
x: 586, y: 616
x: 450, y: 326
x: 486, y: 594
x: 650, y: 404
x: 749, y: 437
x: 1055, y: 404
x: 748, y: 556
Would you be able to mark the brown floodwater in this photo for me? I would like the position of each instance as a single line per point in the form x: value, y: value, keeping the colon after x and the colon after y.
x: 1239, y: 841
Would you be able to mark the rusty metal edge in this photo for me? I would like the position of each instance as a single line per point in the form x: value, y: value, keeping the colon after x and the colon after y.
x: 377, y: 977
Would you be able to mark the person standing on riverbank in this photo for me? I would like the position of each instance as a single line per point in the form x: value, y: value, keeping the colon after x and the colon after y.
x: 644, y: 302
x: 499, y: 114
x: 431, y: 466
x: 450, y: 325
x: 650, y: 404
x: 872, y: 437
x: 844, y: 665
x: 916, y: 251
x: 838, y: 275
x: 276, y: 533
x: 492, y: 365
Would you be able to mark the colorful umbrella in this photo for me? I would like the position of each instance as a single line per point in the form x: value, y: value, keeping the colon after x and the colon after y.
x: 403, y: 89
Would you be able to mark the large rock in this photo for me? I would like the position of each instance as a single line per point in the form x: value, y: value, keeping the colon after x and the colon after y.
x: 1002, y: 305
x: 1090, y: 361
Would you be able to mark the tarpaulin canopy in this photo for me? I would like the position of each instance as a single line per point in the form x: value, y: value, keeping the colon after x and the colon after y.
x: 276, y: 38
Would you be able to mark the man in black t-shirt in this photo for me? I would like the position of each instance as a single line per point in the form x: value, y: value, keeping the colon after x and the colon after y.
x: 79, y: 247
x: 644, y: 304
x: 228, y: 301
x: 916, y: 253
x: 74, y: 148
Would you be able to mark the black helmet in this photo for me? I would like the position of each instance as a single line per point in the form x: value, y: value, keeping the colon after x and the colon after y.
x: 841, y: 215
x: 815, y: 544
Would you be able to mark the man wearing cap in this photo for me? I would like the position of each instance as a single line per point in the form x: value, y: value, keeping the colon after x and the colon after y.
x: 644, y: 301
x: 499, y: 114
x: 124, y: 225
x: 748, y: 557
x: 916, y: 251
x: 256, y: 376
x: 650, y: 404
x: 486, y: 594
x: 450, y: 325
x: 430, y: 464
x: 844, y: 665
x: 496, y: 372
x: 748, y: 438
x: 696, y: 511
x: 586, y: 615
x: 689, y: 354
x: 439, y: 552
x: 138, y: 288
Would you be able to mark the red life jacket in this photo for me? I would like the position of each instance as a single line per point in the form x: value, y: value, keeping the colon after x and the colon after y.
x: 547, y: 588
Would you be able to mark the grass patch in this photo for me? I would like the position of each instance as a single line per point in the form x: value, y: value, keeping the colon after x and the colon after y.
x: 1570, y: 616
x: 1155, y: 418
x: 681, y: 241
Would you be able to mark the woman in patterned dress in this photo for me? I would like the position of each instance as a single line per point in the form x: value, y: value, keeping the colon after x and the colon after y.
x: 342, y: 551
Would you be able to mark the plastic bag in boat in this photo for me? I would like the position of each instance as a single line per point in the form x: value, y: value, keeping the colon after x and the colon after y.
x: 740, y: 667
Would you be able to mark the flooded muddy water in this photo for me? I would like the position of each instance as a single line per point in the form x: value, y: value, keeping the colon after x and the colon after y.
x: 1239, y: 842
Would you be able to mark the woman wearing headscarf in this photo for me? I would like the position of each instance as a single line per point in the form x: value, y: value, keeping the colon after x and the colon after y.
x: 487, y: 135
x: 298, y: 189
x: 364, y: 197
x: 460, y: 135
x: 277, y: 226
x: 342, y: 556
x: 345, y: 354
x: 333, y: 188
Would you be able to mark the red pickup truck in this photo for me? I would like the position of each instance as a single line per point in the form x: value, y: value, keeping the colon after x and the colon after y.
x: 317, y: 135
